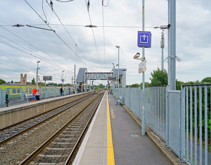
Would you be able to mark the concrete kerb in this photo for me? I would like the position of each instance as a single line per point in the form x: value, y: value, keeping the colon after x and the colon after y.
x: 13, y: 114
x: 156, y: 139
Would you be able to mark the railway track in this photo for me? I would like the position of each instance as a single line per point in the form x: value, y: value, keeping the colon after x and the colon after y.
x: 15, y: 148
x: 16, y: 129
x: 60, y: 147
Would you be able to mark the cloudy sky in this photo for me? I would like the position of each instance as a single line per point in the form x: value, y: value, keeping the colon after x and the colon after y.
x: 22, y: 47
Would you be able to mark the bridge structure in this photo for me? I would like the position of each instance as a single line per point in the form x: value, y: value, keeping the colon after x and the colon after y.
x: 110, y: 76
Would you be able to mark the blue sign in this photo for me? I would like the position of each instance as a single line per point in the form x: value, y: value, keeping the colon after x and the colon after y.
x: 144, y: 39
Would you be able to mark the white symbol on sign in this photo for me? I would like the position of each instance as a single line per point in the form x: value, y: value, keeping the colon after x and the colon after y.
x: 143, y: 39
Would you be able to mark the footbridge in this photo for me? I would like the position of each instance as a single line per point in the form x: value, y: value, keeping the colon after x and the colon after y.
x: 111, y: 77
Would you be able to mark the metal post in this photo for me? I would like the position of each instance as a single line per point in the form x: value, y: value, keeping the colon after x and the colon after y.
x: 45, y: 89
x: 74, y: 78
x: 118, y: 75
x: 172, y: 44
x: 162, y: 46
x: 143, y: 77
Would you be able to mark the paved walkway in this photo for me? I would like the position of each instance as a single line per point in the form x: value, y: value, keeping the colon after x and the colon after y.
x: 129, y: 146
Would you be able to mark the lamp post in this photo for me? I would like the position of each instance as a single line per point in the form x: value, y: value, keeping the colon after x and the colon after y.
x: 118, y: 73
x: 37, y: 73
x: 143, y: 88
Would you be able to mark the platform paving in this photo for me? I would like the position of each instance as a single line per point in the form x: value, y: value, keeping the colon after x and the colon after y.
x: 93, y: 150
x: 130, y: 147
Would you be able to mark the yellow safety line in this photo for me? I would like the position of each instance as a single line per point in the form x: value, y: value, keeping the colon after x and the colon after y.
x: 110, y: 149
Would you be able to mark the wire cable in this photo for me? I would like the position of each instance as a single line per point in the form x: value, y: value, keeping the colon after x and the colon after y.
x: 104, y: 4
x: 94, y: 39
x: 64, y: 1
x: 29, y: 51
x: 30, y: 54
x: 131, y: 26
x: 31, y: 44
x: 103, y: 34
x: 68, y: 33
x: 44, y: 12
x: 55, y: 32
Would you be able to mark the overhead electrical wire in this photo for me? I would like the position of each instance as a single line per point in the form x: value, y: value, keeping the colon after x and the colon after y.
x: 104, y: 30
x: 104, y: 4
x: 64, y: 1
x: 31, y: 44
x: 131, y: 26
x: 88, y: 4
x: 44, y: 11
x: 68, y: 33
x: 55, y: 32
x: 17, y: 67
x: 30, y: 54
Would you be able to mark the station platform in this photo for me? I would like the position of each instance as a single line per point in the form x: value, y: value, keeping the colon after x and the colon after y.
x: 115, y: 138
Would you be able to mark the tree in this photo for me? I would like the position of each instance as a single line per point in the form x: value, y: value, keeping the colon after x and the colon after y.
x: 11, y: 81
x: 134, y: 85
x: 178, y: 84
x: 159, y: 77
x: 33, y: 81
x: 206, y: 80
x: 146, y: 84
x: 2, y: 81
x: 101, y: 86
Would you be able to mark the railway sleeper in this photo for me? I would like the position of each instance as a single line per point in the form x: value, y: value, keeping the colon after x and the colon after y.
x: 51, y: 156
x: 56, y: 149
x: 47, y: 163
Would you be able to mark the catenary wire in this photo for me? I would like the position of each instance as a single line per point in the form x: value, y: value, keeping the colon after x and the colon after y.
x: 28, y: 50
x: 55, y: 33
x: 103, y: 33
x: 31, y: 55
x: 94, y: 38
x: 30, y: 44
x: 68, y: 33
x: 108, y: 26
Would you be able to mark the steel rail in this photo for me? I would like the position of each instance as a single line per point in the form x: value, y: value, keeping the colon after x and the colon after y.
x: 27, y: 119
x: 81, y: 136
x: 36, y: 124
x: 43, y: 145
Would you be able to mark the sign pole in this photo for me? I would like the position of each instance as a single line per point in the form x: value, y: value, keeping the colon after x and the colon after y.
x: 45, y: 89
x: 143, y: 77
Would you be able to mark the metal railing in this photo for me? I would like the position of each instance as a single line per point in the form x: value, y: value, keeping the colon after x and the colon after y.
x: 155, y: 102
x: 17, y: 95
x: 197, y: 132
x: 181, y: 118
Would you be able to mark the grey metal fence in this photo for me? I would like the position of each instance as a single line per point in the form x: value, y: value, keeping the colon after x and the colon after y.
x: 181, y: 118
x: 155, y: 102
x: 155, y: 105
x: 197, y: 127
x: 17, y: 95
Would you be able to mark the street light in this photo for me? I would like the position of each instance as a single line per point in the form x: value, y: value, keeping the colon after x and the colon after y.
x: 162, y: 42
x: 37, y: 74
x: 118, y: 73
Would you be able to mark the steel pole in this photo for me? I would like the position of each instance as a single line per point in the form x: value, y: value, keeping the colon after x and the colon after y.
x: 143, y: 75
x: 118, y: 76
x: 75, y: 77
x: 172, y: 44
x: 162, y: 53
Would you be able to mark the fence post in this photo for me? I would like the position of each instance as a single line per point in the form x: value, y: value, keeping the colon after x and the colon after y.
x: 22, y: 95
x: 182, y: 122
x: 167, y: 116
x: 1, y: 97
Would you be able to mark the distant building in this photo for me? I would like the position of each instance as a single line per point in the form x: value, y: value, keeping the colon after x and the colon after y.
x: 23, y: 79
